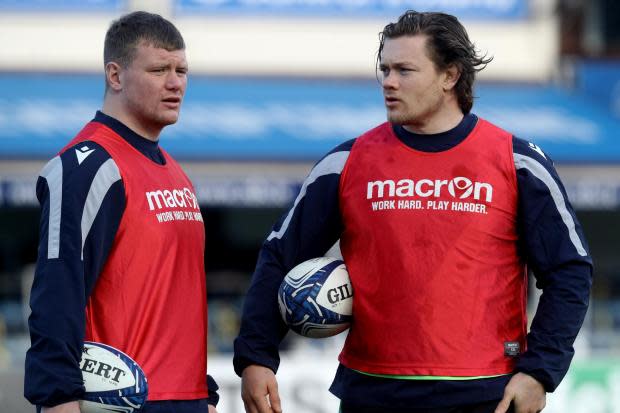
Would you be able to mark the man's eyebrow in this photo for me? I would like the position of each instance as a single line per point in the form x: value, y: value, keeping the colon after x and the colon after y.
x: 395, y: 64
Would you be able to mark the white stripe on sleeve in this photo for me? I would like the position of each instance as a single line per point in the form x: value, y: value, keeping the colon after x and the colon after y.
x: 52, y: 173
x: 331, y: 164
x: 105, y: 177
x: 539, y: 171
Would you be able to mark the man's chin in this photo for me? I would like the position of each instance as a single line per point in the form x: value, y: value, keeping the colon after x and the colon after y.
x: 397, y: 119
x: 169, y: 120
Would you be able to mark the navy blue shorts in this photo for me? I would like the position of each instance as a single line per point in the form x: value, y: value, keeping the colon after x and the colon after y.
x: 485, y: 407
x: 176, y: 406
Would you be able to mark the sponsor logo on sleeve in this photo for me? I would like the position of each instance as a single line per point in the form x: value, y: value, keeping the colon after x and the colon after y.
x: 82, y: 153
x: 537, y: 149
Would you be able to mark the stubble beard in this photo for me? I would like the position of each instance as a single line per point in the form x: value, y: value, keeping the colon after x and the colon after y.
x: 401, y: 118
x: 411, y: 117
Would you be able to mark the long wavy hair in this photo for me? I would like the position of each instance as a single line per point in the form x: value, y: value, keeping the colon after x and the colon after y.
x: 448, y: 44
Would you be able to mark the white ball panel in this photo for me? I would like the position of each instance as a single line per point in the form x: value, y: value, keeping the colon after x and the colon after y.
x: 102, y: 370
x: 336, y: 294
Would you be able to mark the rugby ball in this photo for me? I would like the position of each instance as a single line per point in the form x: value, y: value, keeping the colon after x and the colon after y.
x: 316, y: 298
x: 114, y: 382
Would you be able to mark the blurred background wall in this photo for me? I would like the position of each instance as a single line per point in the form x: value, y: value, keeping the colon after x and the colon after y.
x: 273, y: 86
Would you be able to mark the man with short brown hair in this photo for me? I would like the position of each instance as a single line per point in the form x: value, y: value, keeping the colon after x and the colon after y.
x: 110, y: 268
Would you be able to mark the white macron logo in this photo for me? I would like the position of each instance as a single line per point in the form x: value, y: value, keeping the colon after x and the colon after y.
x: 459, y: 187
x: 82, y: 153
x: 176, y: 198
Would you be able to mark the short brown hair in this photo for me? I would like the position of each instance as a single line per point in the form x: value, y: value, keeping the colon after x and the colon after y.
x: 448, y: 44
x: 127, y: 32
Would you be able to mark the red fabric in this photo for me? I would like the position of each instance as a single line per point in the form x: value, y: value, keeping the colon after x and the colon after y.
x: 150, y: 300
x: 438, y: 285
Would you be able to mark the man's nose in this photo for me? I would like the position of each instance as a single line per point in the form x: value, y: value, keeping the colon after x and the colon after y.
x: 389, y: 80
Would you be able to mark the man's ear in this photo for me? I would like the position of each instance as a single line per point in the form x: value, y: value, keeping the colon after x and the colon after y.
x: 452, y: 75
x: 113, y: 76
